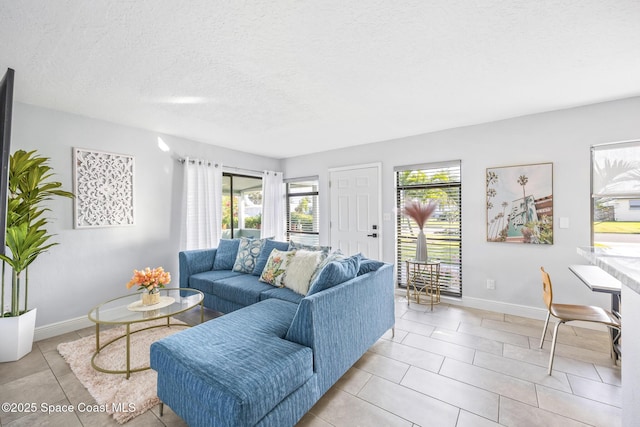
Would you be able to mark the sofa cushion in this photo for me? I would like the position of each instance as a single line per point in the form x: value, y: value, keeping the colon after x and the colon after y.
x: 276, y: 266
x: 297, y: 277
x: 240, y: 379
x: 242, y: 289
x: 205, y: 281
x: 267, y: 247
x: 248, y: 251
x: 368, y: 265
x: 284, y: 294
x: 334, y: 273
x: 226, y: 254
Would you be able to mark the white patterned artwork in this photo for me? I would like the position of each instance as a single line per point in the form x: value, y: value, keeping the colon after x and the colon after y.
x: 103, y: 189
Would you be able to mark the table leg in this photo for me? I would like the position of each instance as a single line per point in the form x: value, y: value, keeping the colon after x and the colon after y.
x: 128, y: 350
x: 97, y: 337
x: 202, y: 311
x: 431, y: 290
x: 615, y: 304
x: 408, y: 284
x: 615, y: 336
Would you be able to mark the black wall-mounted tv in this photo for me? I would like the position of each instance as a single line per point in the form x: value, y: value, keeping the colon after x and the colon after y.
x: 6, y: 110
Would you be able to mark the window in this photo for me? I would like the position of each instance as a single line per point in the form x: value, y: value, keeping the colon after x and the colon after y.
x: 241, y: 206
x: 440, y: 182
x: 302, y: 211
x: 615, y: 194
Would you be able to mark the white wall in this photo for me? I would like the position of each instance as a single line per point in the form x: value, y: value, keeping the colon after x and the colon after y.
x: 563, y: 137
x: 92, y: 265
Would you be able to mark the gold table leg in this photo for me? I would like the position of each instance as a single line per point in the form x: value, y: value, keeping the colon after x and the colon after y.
x: 128, y: 350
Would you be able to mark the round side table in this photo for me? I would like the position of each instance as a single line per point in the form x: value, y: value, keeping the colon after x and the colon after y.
x: 423, y: 279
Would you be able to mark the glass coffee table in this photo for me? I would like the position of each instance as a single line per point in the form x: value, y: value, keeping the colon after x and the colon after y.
x: 128, y: 310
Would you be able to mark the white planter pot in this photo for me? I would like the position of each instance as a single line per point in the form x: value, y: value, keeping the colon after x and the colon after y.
x: 16, y: 336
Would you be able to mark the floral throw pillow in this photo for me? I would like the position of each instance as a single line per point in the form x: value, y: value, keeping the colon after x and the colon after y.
x: 273, y: 271
x: 248, y: 251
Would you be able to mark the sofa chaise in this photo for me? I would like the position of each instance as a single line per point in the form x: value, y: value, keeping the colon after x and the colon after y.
x: 276, y: 351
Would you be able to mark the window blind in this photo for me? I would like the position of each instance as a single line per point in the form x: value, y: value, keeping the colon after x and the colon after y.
x: 303, y: 219
x: 440, y: 182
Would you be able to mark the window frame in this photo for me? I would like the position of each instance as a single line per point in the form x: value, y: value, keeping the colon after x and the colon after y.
x: 601, y: 192
x: 232, y: 175
x: 289, y: 196
x: 452, y: 273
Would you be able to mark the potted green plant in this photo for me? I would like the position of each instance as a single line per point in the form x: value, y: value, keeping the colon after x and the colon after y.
x: 30, y: 185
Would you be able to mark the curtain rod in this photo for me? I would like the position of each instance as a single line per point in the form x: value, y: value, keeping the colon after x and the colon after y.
x: 193, y: 161
x: 181, y: 160
x: 243, y: 169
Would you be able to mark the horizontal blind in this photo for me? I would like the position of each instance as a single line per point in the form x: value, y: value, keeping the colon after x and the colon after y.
x: 616, y: 170
x: 303, y: 220
x: 440, y: 182
x: 615, y: 194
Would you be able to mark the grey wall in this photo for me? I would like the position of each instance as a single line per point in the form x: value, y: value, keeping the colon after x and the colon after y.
x: 92, y: 265
x: 562, y: 137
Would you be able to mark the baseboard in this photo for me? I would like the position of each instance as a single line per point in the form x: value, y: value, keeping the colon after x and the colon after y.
x: 59, y: 328
x: 537, y: 313
x: 500, y: 307
x: 66, y: 326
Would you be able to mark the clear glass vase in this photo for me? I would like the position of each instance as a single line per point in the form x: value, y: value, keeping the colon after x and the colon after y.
x: 151, y: 297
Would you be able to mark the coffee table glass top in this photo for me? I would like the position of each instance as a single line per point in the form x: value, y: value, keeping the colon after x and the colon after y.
x: 127, y: 309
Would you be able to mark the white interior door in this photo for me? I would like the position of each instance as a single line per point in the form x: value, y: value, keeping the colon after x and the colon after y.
x: 355, y: 210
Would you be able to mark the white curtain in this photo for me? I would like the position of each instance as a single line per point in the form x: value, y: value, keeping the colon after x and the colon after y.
x: 272, y: 206
x: 202, y: 205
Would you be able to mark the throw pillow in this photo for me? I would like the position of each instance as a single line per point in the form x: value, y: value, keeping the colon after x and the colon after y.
x: 334, y: 273
x: 297, y: 277
x: 265, y: 252
x: 226, y: 254
x: 333, y: 256
x: 324, y: 249
x: 276, y: 267
x: 367, y: 265
x: 248, y: 251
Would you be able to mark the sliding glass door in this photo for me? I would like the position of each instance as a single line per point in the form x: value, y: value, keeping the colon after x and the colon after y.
x: 241, y: 206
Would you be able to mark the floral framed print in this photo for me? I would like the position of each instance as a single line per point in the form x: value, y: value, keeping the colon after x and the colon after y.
x: 520, y: 204
x: 103, y: 184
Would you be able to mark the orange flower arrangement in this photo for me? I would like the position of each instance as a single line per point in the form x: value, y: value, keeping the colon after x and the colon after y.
x: 149, y: 279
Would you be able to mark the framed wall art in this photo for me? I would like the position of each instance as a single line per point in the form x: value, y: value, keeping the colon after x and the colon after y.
x: 103, y: 184
x: 520, y: 204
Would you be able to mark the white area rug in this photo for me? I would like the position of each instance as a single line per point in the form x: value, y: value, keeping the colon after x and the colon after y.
x: 132, y: 396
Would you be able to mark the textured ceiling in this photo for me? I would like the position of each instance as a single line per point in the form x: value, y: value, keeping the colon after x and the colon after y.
x: 289, y: 77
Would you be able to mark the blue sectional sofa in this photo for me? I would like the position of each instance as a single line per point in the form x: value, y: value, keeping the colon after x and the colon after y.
x: 275, y: 353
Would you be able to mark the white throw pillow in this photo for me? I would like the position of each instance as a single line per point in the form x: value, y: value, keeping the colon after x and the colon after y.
x: 297, y: 277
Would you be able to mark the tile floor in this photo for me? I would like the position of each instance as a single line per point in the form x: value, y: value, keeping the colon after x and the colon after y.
x: 454, y: 366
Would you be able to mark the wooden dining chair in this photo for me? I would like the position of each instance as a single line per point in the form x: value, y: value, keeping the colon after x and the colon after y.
x: 570, y: 312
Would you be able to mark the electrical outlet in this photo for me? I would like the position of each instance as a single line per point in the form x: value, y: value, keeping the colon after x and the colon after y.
x: 491, y: 284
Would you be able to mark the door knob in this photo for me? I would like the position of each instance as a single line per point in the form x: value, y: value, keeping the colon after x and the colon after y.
x: 372, y: 235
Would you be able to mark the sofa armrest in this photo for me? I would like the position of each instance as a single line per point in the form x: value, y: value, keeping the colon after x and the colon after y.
x: 193, y: 262
x: 342, y: 322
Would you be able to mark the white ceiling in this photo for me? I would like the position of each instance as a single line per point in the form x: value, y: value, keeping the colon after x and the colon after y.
x: 289, y: 77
